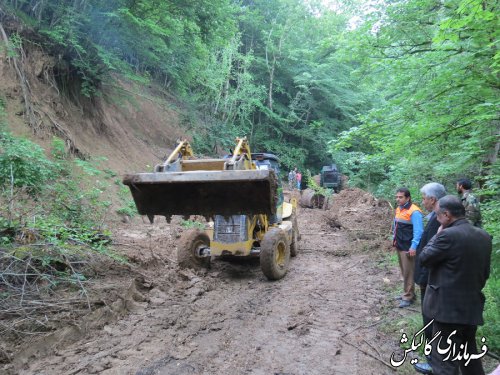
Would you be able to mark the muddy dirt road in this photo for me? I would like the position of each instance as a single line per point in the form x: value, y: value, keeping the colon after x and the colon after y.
x: 322, y: 318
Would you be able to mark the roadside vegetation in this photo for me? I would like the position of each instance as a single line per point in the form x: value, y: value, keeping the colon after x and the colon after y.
x: 52, y: 229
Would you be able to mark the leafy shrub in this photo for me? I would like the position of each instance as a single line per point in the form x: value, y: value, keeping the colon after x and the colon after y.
x: 65, y: 204
x: 128, y: 208
x: 311, y: 184
x: 23, y: 164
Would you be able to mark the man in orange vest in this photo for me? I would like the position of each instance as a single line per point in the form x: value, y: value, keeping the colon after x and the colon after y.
x: 407, y: 228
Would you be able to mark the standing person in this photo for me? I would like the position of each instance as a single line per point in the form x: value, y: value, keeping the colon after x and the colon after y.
x: 458, y: 258
x: 407, y: 228
x: 470, y: 202
x: 298, y: 177
x: 291, y: 179
x: 431, y: 193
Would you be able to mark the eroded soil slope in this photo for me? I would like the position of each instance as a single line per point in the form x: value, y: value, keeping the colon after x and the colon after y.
x: 129, y: 125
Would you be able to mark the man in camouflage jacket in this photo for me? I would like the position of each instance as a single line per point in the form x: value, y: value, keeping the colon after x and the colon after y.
x: 470, y: 202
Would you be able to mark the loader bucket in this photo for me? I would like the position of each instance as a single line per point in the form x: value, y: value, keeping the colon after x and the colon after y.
x: 205, y: 193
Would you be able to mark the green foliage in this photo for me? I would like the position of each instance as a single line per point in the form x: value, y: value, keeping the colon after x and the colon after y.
x: 15, y: 42
x: 228, y: 94
x: 490, y: 211
x: 58, y: 232
x: 190, y: 224
x: 311, y: 184
x: 128, y: 207
x: 23, y: 164
x: 309, y: 93
x: 429, y: 67
x: 491, y: 316
x: 108, y: 173
x: 65, y: 206
x: 58, y: 149
x: 366, y: 171
x: 164, y: 40
x: 435, y: 114
x: 68, y: 39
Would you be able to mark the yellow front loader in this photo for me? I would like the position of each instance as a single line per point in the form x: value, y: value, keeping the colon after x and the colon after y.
x: 240, y: 195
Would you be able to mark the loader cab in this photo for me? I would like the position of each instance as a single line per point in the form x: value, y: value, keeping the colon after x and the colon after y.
x: 267, y: 161
x: 264, y: 160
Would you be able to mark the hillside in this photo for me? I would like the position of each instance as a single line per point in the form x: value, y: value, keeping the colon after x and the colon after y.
x: 131, y: 125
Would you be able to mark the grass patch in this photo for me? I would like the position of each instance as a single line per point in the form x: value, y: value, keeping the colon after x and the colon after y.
x: 387, y: 259
x: 192, y: 224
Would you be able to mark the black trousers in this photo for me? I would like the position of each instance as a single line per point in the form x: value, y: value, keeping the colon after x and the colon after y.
x: 425, y: 318
x: 464, y: 334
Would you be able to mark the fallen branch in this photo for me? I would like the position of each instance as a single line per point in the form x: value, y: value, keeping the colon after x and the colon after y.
x: 363, y: 327
x: 368, y: 354
x: 68, y: 263
x: 352, y: 266
x: 371, y: 346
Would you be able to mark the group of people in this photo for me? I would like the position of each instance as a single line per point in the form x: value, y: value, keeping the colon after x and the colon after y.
x: 294, y: 179
x: 449, y: 259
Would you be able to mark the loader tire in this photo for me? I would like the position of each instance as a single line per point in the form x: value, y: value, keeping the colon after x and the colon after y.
x: 274, y: 254
x: 187, y: 250
x: 294, y: 245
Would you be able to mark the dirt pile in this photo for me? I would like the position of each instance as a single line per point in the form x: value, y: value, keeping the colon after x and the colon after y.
x: 354, y: 208
x: 360, y: 213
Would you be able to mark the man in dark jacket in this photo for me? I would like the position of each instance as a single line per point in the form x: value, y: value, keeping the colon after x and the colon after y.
x: 458, y: 258
x: 431, y: 193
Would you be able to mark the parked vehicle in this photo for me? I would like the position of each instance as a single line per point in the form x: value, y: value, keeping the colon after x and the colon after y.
x: 331, y: 178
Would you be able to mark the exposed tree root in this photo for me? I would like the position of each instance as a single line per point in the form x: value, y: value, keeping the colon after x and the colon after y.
x: 34, y: 115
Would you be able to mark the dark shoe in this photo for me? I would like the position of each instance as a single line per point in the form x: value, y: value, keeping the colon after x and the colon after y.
x: 398, y: 298
x: 423, y: 368
x: 404, y: 303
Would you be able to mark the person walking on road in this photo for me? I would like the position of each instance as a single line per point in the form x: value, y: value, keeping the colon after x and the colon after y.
x: 407, y: 230
x: 458, y: 258
x: 470, y: 202
x: 431, y: 193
